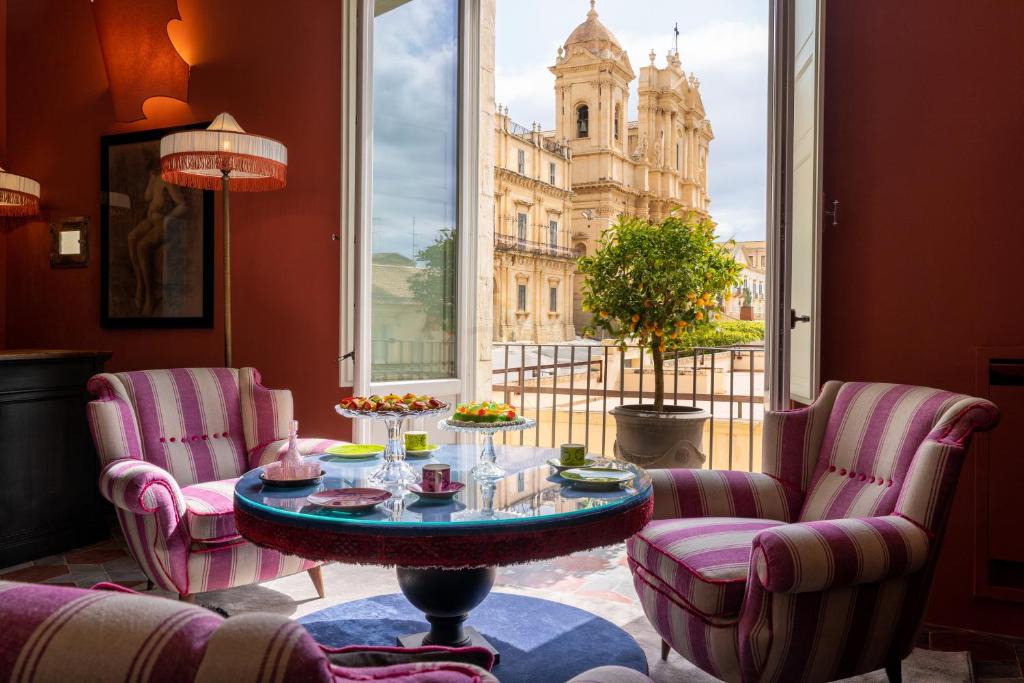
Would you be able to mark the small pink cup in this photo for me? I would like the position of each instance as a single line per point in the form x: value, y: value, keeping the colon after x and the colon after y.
x: 436, y: 477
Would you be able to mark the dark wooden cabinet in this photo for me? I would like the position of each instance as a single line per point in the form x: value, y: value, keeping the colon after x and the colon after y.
x: 49, y: 500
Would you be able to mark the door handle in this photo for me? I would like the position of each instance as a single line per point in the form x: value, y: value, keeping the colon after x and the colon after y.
x: 794, y: 318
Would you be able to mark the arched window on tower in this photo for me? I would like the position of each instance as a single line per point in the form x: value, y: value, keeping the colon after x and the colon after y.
x: 618, y: 118
x: 582, y: 121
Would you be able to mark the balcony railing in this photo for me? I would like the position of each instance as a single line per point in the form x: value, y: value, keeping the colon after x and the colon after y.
x: 570, y: 388
x: 513, y: 243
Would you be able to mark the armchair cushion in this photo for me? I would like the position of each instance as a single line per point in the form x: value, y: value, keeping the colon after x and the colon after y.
x: 705, y: 561
x: 210, y: 512
x: 715, y: 493
x: 140, y: 487
x: 816, y: 556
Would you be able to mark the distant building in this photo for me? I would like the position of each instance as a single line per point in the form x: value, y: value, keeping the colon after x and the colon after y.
x: 753, y: 256
x: 643, y: 168
x: 556, y: 191
x: 533, y: 262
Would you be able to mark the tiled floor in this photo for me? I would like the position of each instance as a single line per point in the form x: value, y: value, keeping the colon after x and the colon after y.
x: 597, y: 580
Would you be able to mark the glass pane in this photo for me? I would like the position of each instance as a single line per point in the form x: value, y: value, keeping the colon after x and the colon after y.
x: 415, y: 180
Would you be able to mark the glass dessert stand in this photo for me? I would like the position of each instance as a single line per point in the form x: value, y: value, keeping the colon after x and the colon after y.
x: 488, y: 468
x: 394, y: 471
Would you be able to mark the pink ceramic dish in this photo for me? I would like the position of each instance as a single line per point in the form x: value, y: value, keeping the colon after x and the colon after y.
x: 453, y: 488
x: 349, y: 500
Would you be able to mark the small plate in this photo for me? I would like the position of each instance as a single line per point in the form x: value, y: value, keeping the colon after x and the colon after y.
x: 426, y: 453
x: 349, y: 500
x: 597, y: 478
x: 356, y: 451
x: 290, y: 483
x: 452, y: 489
x: 557, y: 464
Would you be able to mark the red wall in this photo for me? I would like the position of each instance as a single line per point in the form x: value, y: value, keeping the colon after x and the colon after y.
x: 924, y: 142
x: 277, y: 70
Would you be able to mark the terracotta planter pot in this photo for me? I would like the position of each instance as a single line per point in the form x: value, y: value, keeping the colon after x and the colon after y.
x: 673, y: 438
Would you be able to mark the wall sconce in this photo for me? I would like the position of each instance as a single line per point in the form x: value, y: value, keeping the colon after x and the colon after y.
x: 140, y: 58
x: 19, y: 196
x: 69, y: 243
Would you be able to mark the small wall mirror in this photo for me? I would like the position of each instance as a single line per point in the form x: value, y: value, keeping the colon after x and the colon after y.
x: 69, y: 243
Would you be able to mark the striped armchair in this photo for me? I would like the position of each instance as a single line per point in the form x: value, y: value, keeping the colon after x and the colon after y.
x: 819, y: 568
x: 58, y: 634
x: 171, y: 444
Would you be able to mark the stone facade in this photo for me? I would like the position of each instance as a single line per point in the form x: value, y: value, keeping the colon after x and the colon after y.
x: 533, y: 262
x: 593, y: 167
x: 753, y: 256
x: 644, y: 168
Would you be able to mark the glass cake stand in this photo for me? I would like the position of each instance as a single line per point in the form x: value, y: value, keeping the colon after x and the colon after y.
x: 487, y: 469
x: 394, y: 471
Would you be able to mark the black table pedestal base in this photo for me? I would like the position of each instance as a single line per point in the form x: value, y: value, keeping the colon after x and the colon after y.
x: 476, y: 639
x: 446, y: 597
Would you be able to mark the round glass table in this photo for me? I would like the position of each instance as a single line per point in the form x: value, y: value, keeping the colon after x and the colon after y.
x: 446, y: 551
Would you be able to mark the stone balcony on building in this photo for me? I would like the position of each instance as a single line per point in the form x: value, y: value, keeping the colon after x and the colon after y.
x: 514, y: 244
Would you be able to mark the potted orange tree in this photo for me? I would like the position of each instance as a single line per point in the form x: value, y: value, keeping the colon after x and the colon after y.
x: 654, y: 284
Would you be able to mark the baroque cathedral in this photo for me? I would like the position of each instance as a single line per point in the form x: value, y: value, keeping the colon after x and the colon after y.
x: 595, y: 165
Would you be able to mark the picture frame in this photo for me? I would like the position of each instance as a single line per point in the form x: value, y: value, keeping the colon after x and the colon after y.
x: 156, y: 239
x: 69, y: 242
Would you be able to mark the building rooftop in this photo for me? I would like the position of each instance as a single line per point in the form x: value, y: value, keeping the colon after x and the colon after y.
x: 592, y: 33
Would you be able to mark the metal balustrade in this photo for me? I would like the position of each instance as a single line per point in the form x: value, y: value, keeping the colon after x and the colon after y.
x: 570, y: 388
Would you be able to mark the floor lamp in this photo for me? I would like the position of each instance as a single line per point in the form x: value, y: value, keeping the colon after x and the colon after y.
x: 227, y: 158
x: 19, y: 196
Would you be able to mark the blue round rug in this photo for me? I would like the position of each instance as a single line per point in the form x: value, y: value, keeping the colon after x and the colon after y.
x: 540, y: 641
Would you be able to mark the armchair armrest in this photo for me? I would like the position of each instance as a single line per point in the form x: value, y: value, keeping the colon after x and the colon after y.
x: 816, y: 556
x: 713, y: 493
x: 265, y: 412
x: 141, y: 488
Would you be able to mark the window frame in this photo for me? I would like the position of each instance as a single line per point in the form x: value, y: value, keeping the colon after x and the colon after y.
x: 582, y: 106
x: 356, y: 204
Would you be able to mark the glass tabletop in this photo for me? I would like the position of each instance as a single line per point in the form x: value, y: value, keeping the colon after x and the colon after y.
x: 532, y: 493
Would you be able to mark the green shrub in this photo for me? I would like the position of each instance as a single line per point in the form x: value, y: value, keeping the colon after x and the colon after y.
x: 725, y: 333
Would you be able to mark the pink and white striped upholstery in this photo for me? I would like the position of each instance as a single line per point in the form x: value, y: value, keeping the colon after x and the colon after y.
x: 172, y: 444
x: 210, y: 510
x: 52, y: 633
x: 704, y: 560
x: 820, y: 567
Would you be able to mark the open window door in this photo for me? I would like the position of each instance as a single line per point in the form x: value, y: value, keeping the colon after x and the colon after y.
x: 794, y: 200
x: 415, y: 184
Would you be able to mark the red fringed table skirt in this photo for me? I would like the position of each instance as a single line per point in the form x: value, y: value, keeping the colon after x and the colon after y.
x: 507, y: 543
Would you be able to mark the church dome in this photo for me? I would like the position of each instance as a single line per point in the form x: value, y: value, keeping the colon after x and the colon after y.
x: 592, y: 33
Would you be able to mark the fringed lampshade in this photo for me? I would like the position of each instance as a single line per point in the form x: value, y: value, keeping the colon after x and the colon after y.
x: 224, y: 157
x: 19, y: 196
x: 202, y: 158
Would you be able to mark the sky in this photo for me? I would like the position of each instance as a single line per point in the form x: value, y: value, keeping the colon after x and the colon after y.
x: 724, y: 43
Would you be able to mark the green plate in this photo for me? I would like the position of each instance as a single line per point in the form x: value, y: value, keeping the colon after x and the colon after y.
x: 597, y: 477
x: 356, y: 450
x: 557, y: 464
x: 425, y: 453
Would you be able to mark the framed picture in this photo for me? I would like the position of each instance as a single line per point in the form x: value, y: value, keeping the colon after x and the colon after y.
x: 156, y: 239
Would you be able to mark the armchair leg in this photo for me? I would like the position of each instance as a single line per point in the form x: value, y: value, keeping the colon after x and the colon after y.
x: 894, y: 670
x: 149, y: 584
x: 190, y: 598
x: 317, y: 577
x: 665, y: 649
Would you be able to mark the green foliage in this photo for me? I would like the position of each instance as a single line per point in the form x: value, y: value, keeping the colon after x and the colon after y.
x: 434, y: 281
x: 725, y: 333
x: 651, y: 283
